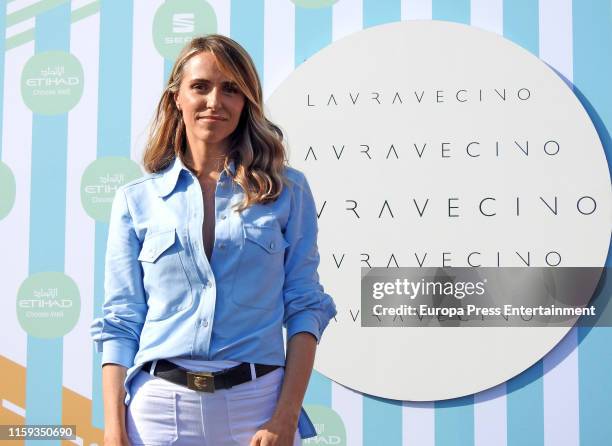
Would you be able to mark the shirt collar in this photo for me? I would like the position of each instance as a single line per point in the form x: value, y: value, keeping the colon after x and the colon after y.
x: 167, y: 178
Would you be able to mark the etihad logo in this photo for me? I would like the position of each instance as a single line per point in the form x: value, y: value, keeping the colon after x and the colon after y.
x: 52, y: 77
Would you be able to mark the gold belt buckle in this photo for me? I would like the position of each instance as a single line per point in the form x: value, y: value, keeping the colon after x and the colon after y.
x: 202, y: 381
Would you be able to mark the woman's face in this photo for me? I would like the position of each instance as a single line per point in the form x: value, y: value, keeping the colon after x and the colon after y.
x: 210, y: 102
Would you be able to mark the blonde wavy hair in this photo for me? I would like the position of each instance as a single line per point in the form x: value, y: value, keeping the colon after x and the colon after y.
x: 256, y: 146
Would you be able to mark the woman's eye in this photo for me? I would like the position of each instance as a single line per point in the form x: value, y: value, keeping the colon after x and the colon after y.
x: 231, y: 89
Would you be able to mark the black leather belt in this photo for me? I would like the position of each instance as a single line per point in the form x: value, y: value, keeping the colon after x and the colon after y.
x: 207, y: 381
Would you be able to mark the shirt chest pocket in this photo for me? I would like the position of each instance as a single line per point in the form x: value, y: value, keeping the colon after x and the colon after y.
x: 269, y: 238
x: 262, y: 270
x: 165, y: 280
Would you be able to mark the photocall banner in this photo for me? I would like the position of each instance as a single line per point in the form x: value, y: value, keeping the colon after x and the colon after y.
x: 459, y: 154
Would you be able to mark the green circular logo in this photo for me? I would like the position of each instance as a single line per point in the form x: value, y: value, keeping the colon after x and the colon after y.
x: 52, y: 82
x: 48, y: 304
x: 176, y: 22
x: 7, y: 190
x: 101, y: 180
x: 314, y: 3
x: 328, y: 424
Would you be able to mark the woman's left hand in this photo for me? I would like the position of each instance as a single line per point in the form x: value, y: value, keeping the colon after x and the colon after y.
x: 276, y: 432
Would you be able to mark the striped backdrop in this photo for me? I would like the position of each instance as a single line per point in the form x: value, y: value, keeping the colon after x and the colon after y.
x: 563, y: 400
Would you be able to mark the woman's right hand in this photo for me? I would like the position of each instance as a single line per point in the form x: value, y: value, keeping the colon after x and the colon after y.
x: 113, y: 377
x: 116, y: 439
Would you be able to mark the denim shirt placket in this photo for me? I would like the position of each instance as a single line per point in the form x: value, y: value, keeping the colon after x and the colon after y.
x: 204, y: 269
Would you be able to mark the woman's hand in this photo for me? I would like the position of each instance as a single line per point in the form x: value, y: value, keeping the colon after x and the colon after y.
x: 113, y: 393
x: 278, y: 431
x: 116, y: 438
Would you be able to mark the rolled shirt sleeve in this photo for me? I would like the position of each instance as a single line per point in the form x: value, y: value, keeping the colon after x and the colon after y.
x: 307, y: 307
x: 116, y: 334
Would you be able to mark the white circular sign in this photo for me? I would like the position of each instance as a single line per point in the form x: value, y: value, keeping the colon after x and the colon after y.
x: 437, y: 144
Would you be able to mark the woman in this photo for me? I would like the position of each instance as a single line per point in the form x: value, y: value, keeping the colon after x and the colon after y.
x: 208, y: 256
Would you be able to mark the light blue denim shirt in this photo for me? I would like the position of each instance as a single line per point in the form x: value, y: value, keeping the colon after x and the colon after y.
x: 163, y: 298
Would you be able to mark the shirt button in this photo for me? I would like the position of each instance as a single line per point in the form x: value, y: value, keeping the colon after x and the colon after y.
x: 223, y: 217
x: 205, y: 323
x: 272, y: 245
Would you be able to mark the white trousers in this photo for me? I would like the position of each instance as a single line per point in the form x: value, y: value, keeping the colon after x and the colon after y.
x: 163, y: 413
